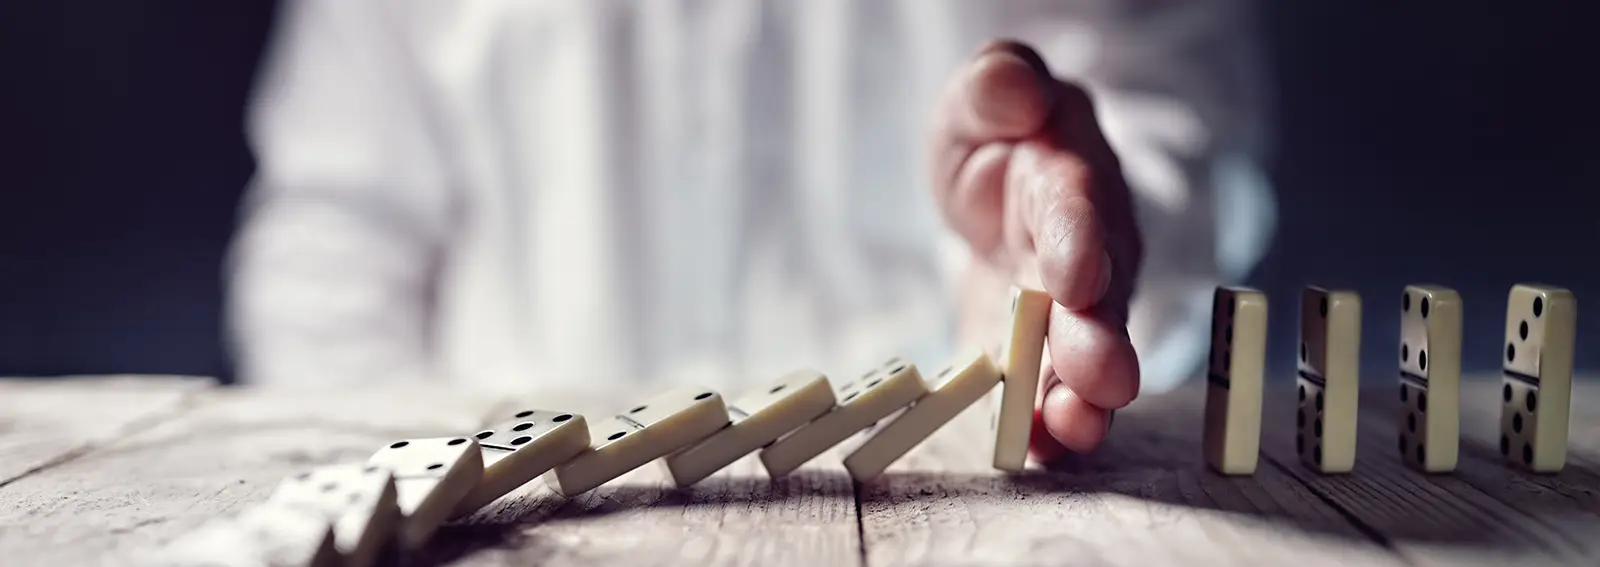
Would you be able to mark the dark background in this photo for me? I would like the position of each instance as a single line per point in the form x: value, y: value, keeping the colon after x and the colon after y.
x: 1419, y: 141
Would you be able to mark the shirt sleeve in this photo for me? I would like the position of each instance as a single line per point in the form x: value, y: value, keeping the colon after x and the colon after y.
x: 331, y: 272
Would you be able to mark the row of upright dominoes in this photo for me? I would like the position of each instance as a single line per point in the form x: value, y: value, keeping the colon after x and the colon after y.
x: 1535, y: 395
x: 345, y: 514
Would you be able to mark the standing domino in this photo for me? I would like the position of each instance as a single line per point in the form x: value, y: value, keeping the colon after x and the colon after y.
x: 1013, y: 423
x: 1234, y: 380
x: 1430, y: 377
x: 1330, y: 346
x: 647, y: 432
x: 431, y: 477
x: 520, y: 449
x: 862, y: 402
x: 1541, y: 323
x: 359, y: 500
x: 758, y: 419
x: 961, y: 384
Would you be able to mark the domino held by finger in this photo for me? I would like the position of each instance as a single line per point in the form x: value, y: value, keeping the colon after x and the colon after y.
x: 1023, y: 356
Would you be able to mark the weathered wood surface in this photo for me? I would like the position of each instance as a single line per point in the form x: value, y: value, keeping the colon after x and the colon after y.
x: 45, y: 422
x: 107, y: 471
x: 1145, y: 498
x: 229, y: 449
x: 734, y: 517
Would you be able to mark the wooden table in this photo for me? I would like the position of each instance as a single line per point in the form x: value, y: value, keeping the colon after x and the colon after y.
x: 103, y: 470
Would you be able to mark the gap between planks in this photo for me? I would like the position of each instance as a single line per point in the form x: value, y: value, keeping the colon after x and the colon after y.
x: 185, y: 391
x: 185, y: 403
x: 1471, y: 516
x: 1144, y: 497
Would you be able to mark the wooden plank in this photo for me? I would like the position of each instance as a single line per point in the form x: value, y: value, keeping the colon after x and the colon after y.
x: 1568, y: 502
x: 735, y: 517
x: 1145, y: 498
x: 128, y: 497
x: 1429, y: 520
x: 47, y: 421
x: 1481, y: 394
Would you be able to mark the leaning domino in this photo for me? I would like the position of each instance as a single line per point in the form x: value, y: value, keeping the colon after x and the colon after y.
x: 431, y: 477
x: 649, y: 431
x: 1013, y: 422
x: 1430, y: 377
x: 1232, y: 438
x: 1329, y: 379
x: 360, y: 501
x: 267, y: 535
x: 959, y: 385
x: 1541, y: 323
x: 863, y: 401
x: 520, y: 449
x: 757, y: 420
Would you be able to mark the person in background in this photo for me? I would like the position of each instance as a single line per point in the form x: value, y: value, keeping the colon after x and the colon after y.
x: 625, y: 194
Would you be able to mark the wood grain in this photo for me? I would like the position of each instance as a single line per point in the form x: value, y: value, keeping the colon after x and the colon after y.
x: 1428, y: 519
x: 126, y: 498
x: 146, y: 461
x: 45, y: 422
x: 1145, y: 498
x: 1567, y: 505
x: 737, y: 516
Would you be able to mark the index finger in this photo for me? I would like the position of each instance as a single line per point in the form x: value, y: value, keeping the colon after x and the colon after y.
x: 1004, y: 93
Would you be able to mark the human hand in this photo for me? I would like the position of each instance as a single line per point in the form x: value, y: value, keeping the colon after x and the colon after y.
x: 1024, y: 174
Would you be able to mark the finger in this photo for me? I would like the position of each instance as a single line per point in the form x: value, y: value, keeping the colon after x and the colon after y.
x: 1055, y: 202
x: 1005, y: 92
x: 977, y: 210
x: 1078, y: 206
x: 1002, y: 95
x: 1042, y: 446
x: 1092, y: 355
x: 1076, y: 424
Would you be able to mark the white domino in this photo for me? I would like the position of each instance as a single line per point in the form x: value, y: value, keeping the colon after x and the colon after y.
x: 1430, y: 377
x: 959, y: 385
x: 431, y: 476
x: 1536, y: 396
x: 863, y: 401
x: 1234, y: 380
x: 1329, y: 379
x: 648, y: 431
x: 360, y: 501
x: 520, y: 449
x: 758, y: 419
x: 1013, y: 422
x: 266, y: 535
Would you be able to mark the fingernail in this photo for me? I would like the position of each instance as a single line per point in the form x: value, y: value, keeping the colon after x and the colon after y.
x: 1105, y: 275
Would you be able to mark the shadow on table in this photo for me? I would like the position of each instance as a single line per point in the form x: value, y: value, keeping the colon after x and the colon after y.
x: 509, y: 523
x: 1150, y: 470
x: 1155, y: 458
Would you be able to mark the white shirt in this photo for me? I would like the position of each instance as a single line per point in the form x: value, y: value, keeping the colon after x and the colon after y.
x: 712, y: 191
